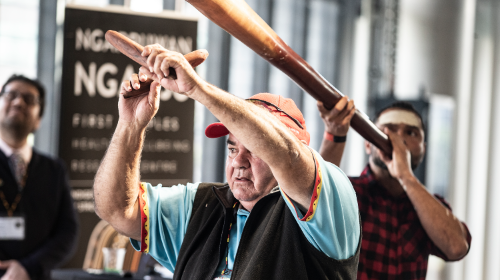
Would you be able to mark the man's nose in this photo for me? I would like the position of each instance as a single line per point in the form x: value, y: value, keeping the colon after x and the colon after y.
x: 402, y: 133
x: 241, y: 160
x: 18, y: 100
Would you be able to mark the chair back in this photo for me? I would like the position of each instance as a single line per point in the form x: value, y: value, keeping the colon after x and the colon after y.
x: 104, y: 235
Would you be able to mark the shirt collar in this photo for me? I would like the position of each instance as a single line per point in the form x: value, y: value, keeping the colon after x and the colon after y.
x: 26, y: 151
x: 368, y: 173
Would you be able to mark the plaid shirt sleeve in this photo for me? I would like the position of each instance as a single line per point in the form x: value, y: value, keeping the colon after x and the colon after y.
x: 434, y: 250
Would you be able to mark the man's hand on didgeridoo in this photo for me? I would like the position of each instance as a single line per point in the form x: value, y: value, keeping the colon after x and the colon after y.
x: 161, y: 61
x: 194, y: 58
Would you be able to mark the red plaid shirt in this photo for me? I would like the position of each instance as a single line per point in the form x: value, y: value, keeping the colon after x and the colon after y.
x: 394, y: 245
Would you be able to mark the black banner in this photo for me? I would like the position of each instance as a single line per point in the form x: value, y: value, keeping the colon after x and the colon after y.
x: 92, y: 73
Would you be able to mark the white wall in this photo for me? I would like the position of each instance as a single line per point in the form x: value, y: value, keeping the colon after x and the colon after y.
x: 426, y: 47
x: 18, y: 38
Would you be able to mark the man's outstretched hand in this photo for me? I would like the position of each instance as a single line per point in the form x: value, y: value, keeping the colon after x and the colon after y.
x: 338, y: 119
x: 161, y: 60
x: 194, y: 58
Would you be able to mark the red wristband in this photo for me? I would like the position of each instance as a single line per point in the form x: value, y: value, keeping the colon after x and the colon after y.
x: 328, y: 136
x: 335, y: 139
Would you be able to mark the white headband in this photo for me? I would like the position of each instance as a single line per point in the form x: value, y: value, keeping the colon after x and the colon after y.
x: 399, y: 116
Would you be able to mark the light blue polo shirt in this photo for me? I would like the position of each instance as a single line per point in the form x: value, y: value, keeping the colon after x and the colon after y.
x: 331, y: 224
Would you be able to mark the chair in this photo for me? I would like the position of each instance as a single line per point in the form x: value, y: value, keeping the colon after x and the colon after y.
x: 104, y: 236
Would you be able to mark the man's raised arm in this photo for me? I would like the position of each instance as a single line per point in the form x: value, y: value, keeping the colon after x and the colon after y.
x: 337, y: 122
x: 116, y: 185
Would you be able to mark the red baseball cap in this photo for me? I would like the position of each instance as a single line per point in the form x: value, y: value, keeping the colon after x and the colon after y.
x: 282, y: 108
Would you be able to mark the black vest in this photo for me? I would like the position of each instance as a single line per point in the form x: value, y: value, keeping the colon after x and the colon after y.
x: 272, y: 245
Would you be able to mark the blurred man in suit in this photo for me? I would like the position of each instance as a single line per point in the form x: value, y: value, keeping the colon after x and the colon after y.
x: 38, y: 224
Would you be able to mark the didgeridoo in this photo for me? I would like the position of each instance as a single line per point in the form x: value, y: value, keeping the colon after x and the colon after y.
x: 133, y: 50
x: 239, y: 20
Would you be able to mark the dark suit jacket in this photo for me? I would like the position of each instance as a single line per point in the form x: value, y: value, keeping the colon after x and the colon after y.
x: 51, y: 222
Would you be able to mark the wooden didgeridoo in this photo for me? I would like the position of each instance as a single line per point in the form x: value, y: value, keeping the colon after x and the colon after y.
x: 239, y: 20
x: 133, y: 50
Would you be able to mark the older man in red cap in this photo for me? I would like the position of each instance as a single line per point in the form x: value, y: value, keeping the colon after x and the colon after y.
x: 284, y: 212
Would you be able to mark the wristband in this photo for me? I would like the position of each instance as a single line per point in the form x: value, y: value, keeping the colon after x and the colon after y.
x: 339, y: 139
x: 328, y: 136
x: 335, y: 139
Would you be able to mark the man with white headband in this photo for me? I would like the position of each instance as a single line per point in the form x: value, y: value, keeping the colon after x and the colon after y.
x: 402, y: 222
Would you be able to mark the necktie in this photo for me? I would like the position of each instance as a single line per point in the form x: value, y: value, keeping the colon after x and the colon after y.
x: 18, y: 167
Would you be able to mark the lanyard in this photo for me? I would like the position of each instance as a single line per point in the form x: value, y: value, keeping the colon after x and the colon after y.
x: 226, y: 271
x: 12, y: 207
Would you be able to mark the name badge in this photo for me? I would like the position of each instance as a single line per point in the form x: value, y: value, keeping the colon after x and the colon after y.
x: 12, y: 228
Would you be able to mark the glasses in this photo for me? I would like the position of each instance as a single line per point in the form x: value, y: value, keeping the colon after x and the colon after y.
x: 28, y: 98
x: 266, y: 105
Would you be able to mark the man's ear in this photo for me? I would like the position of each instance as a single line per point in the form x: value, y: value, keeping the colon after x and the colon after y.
x: 368, y: 148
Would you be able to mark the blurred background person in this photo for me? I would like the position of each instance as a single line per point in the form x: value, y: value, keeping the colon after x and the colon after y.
x: 38, y: 225
x: 402, y: 222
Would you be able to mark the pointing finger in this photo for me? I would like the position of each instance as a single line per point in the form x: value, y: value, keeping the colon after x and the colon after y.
x: 125, y: 86
x: 146, y: 51
x: 135, y: 81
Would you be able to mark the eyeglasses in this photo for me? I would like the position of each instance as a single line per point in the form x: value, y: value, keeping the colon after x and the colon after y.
x: 266, y: 105
x: 28, y: 98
